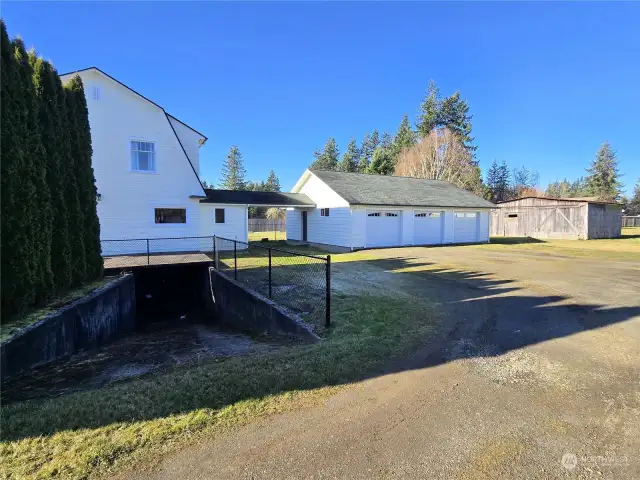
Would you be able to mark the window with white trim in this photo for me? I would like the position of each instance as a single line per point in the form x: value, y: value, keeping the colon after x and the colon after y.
x: 324, y: 212
x: 143, y: 156
x: 171, y: 215
x: 219, y: 215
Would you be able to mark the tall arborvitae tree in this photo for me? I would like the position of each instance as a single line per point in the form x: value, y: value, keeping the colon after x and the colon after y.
x: 450, y: 112
x: 75, y: 190
x: 233, y: 172
x: 327, y: 158
x: 603, y: 180
x: 272, y: 184
x: 17, y: 279
x: 86, y: 180
x: 35, y: 183
x: 350, y: 158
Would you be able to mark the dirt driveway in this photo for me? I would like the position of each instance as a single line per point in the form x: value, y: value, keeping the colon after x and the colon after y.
x: 535, y: 374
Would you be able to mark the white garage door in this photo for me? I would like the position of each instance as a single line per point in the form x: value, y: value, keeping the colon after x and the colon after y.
x: 383, y: 228
x: 465, y: 227
x: 428, y: 227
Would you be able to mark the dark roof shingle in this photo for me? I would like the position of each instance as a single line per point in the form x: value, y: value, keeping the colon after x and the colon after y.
x: 366, y: 189
x: 242, y: 197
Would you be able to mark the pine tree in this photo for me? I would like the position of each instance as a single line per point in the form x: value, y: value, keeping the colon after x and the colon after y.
x: 350, y: 158
x: 405, y: 136
x: 17, y: 275
x: 327, y: 158
x: 272, y: 184
x: 451, y: 112
x: 86, y: 180
x: 233, y: 172
x: 604, y: 179
x: 497, y: 183
x: 369, y: 145
x: 633, y: 206
x: 382, y: 162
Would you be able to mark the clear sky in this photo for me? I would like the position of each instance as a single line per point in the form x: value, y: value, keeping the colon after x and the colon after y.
x: 546, y: 82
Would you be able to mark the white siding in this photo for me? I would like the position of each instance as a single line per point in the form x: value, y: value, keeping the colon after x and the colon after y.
x: 484, y: 226
x: 126, y: 209
x: 189, y: 140
x: 294, y: 224
x: 332, y: 230
x: 235, y: 221
x: 321, y: 194
x: 358, y: 227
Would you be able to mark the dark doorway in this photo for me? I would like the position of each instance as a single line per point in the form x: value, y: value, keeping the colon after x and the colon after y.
x: 304, y: 225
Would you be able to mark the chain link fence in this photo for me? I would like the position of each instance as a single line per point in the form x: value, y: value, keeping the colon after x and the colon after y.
x: 138, y: 252
x: 300, y: 282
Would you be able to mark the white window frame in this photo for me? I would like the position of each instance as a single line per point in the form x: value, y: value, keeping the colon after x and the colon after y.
x: 169, y: 225
x: 154, y: 157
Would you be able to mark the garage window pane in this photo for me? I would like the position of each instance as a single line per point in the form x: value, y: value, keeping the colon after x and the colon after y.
x: 375, y: 214
x: 471, y: 214
x: 389, y: 214
x: 460, y: 214
x: 434, y: 214
x: 421, y: 215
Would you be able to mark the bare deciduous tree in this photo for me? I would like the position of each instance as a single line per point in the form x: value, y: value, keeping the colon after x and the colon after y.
x: 441, y: 155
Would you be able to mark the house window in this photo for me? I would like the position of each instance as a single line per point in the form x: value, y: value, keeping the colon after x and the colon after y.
x: 171, y: 215
x: 143, y: 156
x: 219, y: 215
x: 324, y: 212
x: 390, y: 214
x: 374, y: 214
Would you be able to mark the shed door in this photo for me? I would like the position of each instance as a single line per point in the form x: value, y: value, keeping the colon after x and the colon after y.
x: 383, y: 228
x: 466, y: 226
x: 428, y: 227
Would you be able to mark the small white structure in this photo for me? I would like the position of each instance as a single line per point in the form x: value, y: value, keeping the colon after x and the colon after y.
x: 147, y: 166
x: 355, y: 210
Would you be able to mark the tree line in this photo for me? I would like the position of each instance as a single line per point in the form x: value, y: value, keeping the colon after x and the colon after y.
x: 50, y: 228
x: 234, y: 178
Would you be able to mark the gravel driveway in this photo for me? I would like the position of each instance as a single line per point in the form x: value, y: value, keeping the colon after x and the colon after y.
x: 536, y: 374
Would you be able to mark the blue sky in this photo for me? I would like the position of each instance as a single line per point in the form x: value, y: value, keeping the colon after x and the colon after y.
x: 546, y: 82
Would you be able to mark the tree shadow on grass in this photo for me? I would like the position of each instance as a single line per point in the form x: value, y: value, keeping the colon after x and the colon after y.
x: 381, y: 307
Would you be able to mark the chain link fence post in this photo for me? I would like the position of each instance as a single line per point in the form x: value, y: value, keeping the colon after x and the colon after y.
x: 235, y: 259
x: 269, y: 273
x: 328, y: 293
x: 148, y: 257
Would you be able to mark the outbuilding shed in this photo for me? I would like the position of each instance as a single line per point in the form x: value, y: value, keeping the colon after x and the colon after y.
x: 561, y: 218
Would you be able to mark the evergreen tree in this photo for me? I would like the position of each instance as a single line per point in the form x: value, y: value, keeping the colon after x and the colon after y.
x: 74, y: 188
x: 604, y: 179
x: 233, y: 172
x: 451, y: 112
x: 383, y: 161
x: 327, y: 158
x: 272, y: 184
x: 633, y: 206
x: 350, y: 158
x: 405, y: 136
x: 369, y: 145
x: 17, y: 275
x: 86, y: 180
x: 497, y: 183
x: 558, y: 189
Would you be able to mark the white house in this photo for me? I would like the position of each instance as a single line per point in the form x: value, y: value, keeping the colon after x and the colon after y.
x: 147, y: 168
x: 355, y: 210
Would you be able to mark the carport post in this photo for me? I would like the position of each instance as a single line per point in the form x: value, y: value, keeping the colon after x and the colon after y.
x: 328, y: 294
x: 269, y: 273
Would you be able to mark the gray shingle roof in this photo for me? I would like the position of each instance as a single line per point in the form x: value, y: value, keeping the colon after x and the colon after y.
x: 365, y: 189
x: 275, y: 199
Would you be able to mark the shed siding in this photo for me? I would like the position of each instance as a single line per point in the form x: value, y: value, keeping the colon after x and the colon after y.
x: 555, y: 218
x: 294, y: 224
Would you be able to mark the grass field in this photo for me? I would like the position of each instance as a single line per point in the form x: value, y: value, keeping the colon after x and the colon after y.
x: 272, y: 236
x: 99, y: 432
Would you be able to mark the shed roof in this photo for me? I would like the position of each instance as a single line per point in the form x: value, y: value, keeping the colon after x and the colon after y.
x: 248, y: 197
x: 371, y: 189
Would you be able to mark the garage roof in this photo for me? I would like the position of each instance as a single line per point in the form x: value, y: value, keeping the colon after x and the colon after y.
x: 247, y: 197
x: 369, y: 189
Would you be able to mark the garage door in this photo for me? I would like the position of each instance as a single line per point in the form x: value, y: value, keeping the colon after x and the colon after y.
x: 428, y: 226
x: 383, y: 228
x: 465, y: 227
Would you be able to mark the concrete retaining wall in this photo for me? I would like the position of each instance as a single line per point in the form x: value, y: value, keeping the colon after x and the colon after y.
x: 86, y: 323
x: 245, y: 309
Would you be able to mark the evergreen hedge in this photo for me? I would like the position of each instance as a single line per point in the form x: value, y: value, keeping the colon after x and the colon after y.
x: 50, y: 230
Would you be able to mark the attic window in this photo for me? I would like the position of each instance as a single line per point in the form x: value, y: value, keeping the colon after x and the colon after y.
x: 95, y: 92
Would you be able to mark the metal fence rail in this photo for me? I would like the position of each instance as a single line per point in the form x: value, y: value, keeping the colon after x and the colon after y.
x: 295, y: 280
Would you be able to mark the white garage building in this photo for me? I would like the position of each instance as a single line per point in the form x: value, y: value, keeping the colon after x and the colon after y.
x: 355, y: 210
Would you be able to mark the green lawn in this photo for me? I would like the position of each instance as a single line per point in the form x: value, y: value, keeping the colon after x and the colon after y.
x: 272, y: 236
x: 97, y: 432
